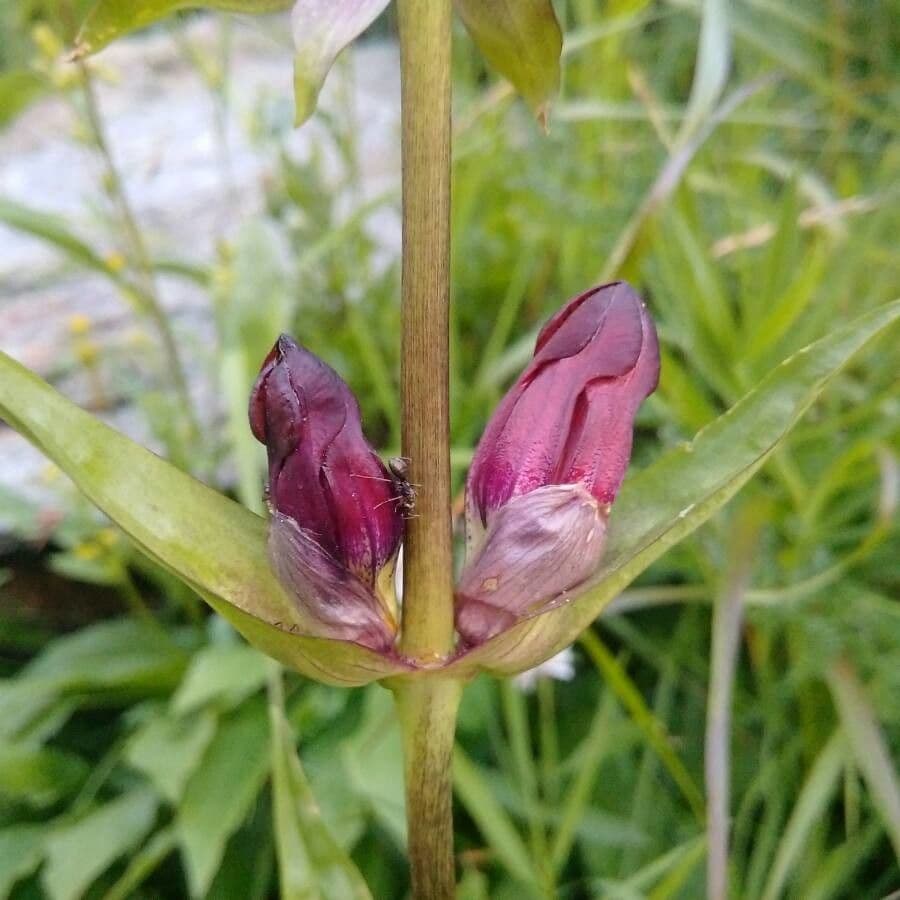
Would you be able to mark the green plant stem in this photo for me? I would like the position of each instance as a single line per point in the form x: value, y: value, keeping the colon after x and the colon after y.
x: 424, y: 27
x: 138, y: 252
x: 427, y: 708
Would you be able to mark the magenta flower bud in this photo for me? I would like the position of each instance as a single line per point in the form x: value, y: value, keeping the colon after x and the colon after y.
x: 335, y: 527
x: 569, y: 417
x: 552, y: 460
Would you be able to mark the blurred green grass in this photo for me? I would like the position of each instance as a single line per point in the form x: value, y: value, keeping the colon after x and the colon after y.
x: 754, y: 218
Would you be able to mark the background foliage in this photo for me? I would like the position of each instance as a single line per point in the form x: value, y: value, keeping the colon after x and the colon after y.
x: 137, y: 752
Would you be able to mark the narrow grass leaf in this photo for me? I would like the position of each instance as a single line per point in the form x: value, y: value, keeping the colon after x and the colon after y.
x: 493, y: 822
x: 311, y: 863
x: 869, y: 746
x: 813, y: 800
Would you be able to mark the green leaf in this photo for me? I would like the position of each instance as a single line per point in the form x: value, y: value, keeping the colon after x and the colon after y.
x: 221, y: 791
x: 21, y: 852
x: 869, y: 745
x: 321, y: 31
x: 222, y: 673
x: 522, y: 40
x: 661, y: 505
x: 54, y: 230
x: 123, y: 658
x: 78, y: 853
x: 110, y: 19
x: 808, y: 812
x: 491, y: 818
x: 168, y: 750
x: 311, y: 863
x: 713, y: 60
x: 38, y: 776
x: 213, y: 544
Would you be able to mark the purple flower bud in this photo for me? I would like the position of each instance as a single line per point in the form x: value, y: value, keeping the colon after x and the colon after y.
x: 552, y: 459
x: 569, y: 417
x: 336, y: 527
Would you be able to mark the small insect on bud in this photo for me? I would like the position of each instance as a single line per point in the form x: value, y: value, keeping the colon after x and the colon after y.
x: 552, y: 459
x: 335, y: 527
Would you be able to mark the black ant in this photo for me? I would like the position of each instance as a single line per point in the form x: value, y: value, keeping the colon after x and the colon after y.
x: 398, y: 466
x: 398, y: 469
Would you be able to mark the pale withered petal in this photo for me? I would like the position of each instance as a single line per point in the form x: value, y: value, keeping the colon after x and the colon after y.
x: 537, y: 547
x: 337, y: 603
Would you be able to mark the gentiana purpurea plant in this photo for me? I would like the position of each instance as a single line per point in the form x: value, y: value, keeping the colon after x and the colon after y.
x: 539, y: 494
x: 324, y: 607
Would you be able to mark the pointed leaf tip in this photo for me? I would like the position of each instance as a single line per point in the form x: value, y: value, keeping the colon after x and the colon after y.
x: 522, y: 40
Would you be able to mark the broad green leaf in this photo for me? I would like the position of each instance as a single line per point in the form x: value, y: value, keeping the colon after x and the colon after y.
x: 522, y: 40
x: 221, y: 673
x: 110, y: 19
x: 21, y: 852
x: 322, y: 28
x: 142, y: 864
x: 37, y: 775
x: 122, y: 658
x: 311, y: 863
x: 213, y: 544
x: 221, y: 791
x: 169, y: 749
x: 78, y: 853
x: 661, y: 505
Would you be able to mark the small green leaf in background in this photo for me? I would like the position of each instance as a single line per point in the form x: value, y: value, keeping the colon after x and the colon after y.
x: 311, y: 863
x: 522, y: 40
x: 222, y: 673
x: 21, y: 852
x: 168, y: 750
x: 78, y: 853
x: 121, y: 658
x: 321, y: 31
x: 110, y: 19
x: 373, y: 760
x: 38, y: 776
x: 221, y: 791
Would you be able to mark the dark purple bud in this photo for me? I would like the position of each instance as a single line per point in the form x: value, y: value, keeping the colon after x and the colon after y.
x: 538, y: 547
x: 569, y: 417
x: 326, y: 478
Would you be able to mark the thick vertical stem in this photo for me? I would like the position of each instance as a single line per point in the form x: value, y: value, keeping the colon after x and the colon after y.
x: 427, y: 709
x: 425, y: 73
